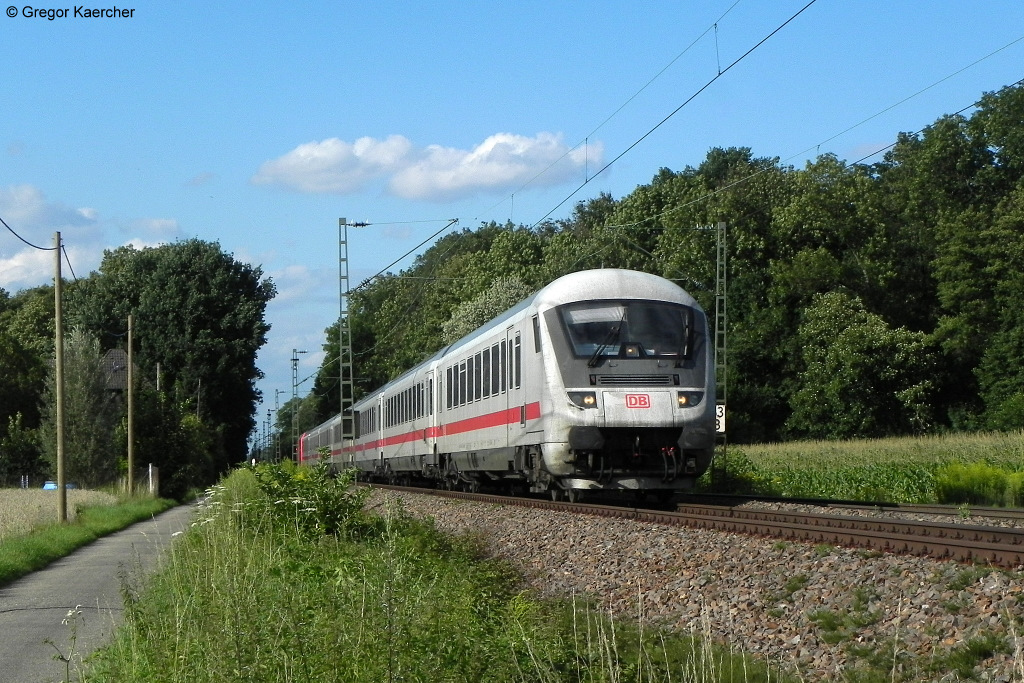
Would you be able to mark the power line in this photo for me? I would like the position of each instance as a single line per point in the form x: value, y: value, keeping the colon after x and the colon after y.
x: 25, y: 240
x: 586, y: 139
x: 675, y: 111
x: 451, y: 222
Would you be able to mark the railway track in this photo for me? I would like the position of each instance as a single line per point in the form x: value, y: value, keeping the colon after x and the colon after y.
x: 997, y: 546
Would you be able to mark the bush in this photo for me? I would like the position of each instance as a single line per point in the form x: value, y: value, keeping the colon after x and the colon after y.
x: 311, y: 500
x: 979, y: 483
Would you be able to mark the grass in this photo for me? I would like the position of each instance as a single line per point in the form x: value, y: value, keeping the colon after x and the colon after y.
x: 28, y: 542
x: 271, y: 584
x: 964, y: 469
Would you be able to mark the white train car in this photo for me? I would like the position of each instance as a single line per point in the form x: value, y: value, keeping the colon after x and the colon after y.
x: 604, y: 380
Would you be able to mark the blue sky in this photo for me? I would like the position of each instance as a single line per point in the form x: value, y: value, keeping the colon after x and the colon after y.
x: 258, y: 126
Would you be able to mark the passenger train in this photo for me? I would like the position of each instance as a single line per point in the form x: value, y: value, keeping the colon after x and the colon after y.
x: 603, y: 380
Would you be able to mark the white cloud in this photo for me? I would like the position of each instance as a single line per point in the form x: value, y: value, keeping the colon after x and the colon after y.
x: 334, y: 166
x: 26, y: 268
x: 502, y: 163
x: 162, y: 229
x: 26, y: 210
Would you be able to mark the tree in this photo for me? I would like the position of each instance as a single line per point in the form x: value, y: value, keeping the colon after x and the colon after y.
x: 504, y: 293
x: 19, y: 452
x: 200, y: 314
x: 21, y: 381
x: 91, y: 414
x: 860, y: 377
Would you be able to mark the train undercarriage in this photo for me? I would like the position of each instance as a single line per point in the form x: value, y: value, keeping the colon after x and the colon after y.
x: 624, y: 464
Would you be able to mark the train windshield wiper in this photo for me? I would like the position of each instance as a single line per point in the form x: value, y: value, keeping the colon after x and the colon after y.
x: 613, y: 336
x: 686, y: 342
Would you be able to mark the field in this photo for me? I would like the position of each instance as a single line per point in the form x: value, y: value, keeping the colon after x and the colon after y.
x: 22, y: 510
x: 974, y: 469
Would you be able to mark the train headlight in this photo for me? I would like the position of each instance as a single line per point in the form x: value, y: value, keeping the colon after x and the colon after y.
x: 688, y: 399
x: 583, y: 399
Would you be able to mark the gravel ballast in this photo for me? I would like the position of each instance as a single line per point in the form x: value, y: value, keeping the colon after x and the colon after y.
x: 820, y: 610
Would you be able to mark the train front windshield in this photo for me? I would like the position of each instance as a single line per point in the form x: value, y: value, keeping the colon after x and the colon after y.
x: 628, y: 329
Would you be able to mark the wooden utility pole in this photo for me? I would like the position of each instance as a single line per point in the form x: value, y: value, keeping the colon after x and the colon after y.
x: 131, y: 406
x: 62, y: 494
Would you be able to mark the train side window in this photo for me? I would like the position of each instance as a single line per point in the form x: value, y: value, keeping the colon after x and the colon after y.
x: 471, y: 373
x: 495, y: 370
x: 462, y: 383
x: 358, y: 423
x: 487, y: 372
x: 448, y: 386
x: 536, y: 334
x: 419, y: 400
x: 517, y: 362
x: 504, y: 364
x: 477, y: 377
x: 430, y: 396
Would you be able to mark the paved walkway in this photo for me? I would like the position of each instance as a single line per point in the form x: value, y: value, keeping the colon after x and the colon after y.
x: 32, y: 608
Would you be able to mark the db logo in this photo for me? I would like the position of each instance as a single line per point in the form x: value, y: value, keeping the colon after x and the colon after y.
x: 638, y: 401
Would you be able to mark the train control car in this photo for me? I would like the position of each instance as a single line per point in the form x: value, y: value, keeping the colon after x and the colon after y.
x: 603, y: 380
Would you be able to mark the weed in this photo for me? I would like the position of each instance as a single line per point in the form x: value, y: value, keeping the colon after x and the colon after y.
x: 792, y: 585
x: 964, y: 658
x: 968, y: 577
x: 823, y: 549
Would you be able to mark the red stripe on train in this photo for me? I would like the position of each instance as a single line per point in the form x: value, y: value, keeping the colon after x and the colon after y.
x: 497, y: 419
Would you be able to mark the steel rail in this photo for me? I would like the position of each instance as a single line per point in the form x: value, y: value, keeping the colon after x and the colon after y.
x: 996, y: 546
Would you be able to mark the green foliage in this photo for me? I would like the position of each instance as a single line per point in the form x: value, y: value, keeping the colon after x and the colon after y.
x: 19, y: 452
x: 200, y: 315
x: 504, y: 293
x: 21, y: 385
x: 91, y: 414
x: 979, y: 483
x: 860, y: 378
x: 914, y: 264
x: 968, y: 655
x: 312, y: 501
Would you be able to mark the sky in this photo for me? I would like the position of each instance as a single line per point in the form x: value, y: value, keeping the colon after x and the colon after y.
x: 258, y: 126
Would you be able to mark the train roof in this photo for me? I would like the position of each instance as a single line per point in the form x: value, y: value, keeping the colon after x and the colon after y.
x: 604, y: 283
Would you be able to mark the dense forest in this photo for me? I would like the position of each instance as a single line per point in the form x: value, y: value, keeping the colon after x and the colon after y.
x: 864, y: 299
x: 199, y: 321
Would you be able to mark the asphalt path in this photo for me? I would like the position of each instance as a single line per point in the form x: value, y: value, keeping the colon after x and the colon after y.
x: 87, y: 584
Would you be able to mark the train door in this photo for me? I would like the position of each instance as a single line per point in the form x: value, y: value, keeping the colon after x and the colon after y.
x: 430, y: 431
x: 511, y: 381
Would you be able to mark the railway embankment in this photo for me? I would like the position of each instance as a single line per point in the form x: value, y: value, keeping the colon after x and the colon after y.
x: 826, y: 611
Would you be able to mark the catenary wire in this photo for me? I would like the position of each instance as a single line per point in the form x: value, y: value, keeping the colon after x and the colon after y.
x: 677, y: 109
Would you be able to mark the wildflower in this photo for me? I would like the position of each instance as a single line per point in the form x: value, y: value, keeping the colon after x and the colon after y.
x: 71, y: 615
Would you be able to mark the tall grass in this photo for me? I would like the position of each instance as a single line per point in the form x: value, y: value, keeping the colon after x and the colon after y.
x: 956, y: 468
x: 270, y: 585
